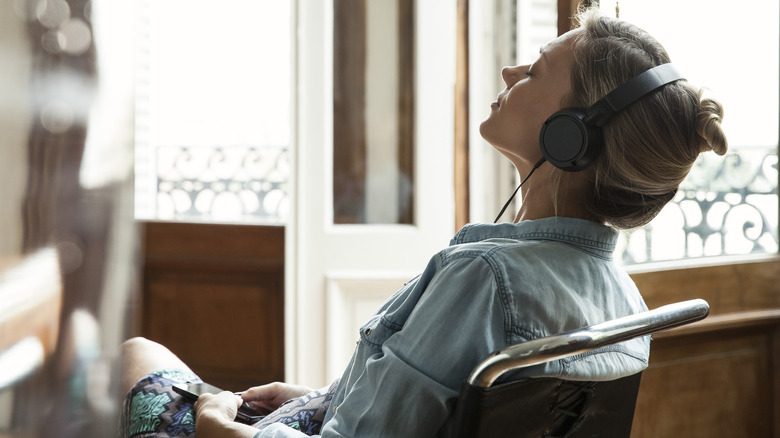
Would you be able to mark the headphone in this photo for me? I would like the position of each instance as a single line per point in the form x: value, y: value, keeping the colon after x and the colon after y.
x: 571, y: 138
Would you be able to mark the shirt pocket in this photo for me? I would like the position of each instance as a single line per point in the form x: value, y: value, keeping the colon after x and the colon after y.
x: 376, y: 331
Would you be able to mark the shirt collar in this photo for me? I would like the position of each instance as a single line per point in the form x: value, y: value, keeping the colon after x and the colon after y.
x: 579, y: 232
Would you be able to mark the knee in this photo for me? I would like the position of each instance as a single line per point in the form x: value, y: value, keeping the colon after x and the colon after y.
x: 137, y: 346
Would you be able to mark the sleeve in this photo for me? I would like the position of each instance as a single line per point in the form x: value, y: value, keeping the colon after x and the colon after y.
x: 408, y: 388
x: 279, y: 430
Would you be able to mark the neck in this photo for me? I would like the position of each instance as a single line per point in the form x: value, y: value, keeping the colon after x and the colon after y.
x: 539, y: 195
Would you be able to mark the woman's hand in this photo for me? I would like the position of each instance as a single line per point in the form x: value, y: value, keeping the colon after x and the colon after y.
x: 223, y: 405
x: 273, y: 395
x: 215, y: 413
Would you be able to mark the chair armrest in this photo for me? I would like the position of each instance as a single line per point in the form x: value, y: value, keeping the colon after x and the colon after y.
x: 575, y: 342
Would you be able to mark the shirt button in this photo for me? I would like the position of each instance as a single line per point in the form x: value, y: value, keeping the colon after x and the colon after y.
x: 335, y: 408
x: 368, y: 331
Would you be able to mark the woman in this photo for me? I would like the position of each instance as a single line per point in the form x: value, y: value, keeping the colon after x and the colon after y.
x: 550, y: 271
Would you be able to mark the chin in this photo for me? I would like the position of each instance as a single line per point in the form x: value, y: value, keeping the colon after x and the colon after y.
x: 482, y: 129
x: 488, y: 134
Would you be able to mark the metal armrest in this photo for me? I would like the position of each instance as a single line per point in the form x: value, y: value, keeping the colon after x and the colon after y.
x: 574, y: 342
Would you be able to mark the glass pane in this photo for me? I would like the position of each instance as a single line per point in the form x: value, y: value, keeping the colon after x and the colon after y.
x: 213, y: 111
x: 373, y: 112
x: 728, y: 205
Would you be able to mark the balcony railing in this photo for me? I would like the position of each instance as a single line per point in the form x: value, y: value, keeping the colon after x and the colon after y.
x: 727, y: 206
x: 245, y: 184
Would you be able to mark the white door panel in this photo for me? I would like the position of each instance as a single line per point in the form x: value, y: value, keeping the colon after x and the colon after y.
x: 337, y: 275
x: 352, y: 297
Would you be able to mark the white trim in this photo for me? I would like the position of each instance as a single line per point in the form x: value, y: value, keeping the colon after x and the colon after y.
x: 700, y: 262
x: 434, y: 114
x: 290, y: 229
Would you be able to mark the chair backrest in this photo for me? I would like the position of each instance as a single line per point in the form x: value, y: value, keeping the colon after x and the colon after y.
x: 547, y: 408
x: 555, y: 407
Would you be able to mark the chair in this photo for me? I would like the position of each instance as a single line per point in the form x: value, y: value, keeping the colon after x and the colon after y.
x: 551, y: 407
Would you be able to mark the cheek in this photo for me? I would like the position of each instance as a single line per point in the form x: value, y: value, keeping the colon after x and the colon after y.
x: 500, y: 132
x: 515, y: 127
x: 523, y: 131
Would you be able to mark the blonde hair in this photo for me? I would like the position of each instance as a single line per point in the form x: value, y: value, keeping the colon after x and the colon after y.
x: 649, y: 147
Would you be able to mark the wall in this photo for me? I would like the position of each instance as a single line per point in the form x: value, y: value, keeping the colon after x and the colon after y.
x: 14, y: 126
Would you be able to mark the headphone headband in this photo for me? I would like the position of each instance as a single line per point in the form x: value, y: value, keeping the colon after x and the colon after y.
x: 628, y: 93
x: 571, y: 138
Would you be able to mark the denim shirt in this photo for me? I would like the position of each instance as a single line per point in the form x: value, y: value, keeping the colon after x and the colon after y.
x: 496, y: 285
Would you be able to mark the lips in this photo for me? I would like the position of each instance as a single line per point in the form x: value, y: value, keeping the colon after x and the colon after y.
x: 497, y: 103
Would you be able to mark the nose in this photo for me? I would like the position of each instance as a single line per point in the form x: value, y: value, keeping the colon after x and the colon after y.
x: 512, y: 74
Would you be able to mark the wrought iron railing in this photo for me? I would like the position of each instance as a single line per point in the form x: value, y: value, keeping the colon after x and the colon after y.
x: 727, y: 206
x: 224, y: 184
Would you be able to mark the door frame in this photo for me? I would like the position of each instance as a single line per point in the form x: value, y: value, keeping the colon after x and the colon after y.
x: 324, y: 261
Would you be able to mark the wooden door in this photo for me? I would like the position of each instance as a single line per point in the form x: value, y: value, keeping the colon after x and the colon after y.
x: 214, y: 294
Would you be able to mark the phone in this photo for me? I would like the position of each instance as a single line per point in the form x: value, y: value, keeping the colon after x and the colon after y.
x: 248, y: 413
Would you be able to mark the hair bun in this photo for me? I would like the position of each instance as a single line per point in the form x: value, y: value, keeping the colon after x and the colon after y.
x: 708, y: 126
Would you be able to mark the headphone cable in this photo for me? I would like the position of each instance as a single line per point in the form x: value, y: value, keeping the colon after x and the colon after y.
x: 536, y: 166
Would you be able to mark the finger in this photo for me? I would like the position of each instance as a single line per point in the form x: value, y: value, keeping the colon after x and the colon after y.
x: 263, y: 392
x: 203, y: 399
x: 226, y: 397
x: 237, y: 398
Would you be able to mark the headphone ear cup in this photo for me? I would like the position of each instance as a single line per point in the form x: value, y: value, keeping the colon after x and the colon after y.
x: 567, y: 142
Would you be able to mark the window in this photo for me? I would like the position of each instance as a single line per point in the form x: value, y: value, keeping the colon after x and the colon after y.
x: 502, y: 32
x: 728, y: 205
x: 373, y: 112
x: 213, y: 117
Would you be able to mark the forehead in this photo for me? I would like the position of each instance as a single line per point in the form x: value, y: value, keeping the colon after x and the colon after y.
x: 559, y: 52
